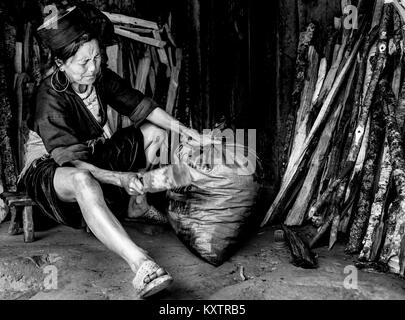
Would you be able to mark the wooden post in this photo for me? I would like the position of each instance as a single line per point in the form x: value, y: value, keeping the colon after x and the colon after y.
x: 28, y: 224
x: 14, y: 227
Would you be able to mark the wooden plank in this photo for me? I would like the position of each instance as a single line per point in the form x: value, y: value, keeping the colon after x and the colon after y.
x: 113, y: 54
x: 143, y: 72
x: 137, y: 30
x: 120, y: 18
x: 161, y: 52
x: 174, y: 83
x: 136, y: 37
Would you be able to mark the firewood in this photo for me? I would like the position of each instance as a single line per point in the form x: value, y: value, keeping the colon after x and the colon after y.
x: 398, y: 164
x: 360, y: 89
x: 335, y: 54
x: 400, y: 111
x: 120, y: 18
x: 364, y: 204
x: 302, y: 116
x: 133, y: 36
x: 295, y: 163
x: 376, y: 221
x: 320, y: 79
x: 330, y: 78
x: 394, y: 211
x: 302, y: 255
x: 365, y: 106
x: 336, y: 214
x: 396, y: 81
x: 378, y: 10
x: 301, y: 64
x: 297, y: 213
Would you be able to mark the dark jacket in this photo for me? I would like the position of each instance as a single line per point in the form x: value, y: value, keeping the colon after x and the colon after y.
x: 61, y: 119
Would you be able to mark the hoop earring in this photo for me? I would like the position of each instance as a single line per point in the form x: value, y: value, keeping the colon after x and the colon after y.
x: 65, y: 85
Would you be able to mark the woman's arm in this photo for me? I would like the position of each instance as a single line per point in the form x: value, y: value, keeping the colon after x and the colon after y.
x: 127, y: 180
x: 164, y: 120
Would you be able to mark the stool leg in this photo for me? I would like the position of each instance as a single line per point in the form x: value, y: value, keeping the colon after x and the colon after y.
x: 15, y: 225
x: 28, y: 224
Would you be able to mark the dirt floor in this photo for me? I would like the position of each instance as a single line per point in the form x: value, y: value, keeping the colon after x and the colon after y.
x: 85, y: 269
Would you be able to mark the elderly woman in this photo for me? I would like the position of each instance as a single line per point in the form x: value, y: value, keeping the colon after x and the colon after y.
x: 72, y: 156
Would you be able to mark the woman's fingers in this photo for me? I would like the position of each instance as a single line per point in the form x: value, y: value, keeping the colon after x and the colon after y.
x: 135, y: 186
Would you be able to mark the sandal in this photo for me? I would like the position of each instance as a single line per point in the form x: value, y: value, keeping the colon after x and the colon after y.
x: 147, y: 288
x: 152, y: 216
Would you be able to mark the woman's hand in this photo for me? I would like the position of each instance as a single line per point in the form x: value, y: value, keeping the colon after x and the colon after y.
x: 193, y: 138
x: 131, y: 183
x: 162, y: 119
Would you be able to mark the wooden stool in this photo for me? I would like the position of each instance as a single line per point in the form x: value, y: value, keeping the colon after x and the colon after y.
x: 17, y: 203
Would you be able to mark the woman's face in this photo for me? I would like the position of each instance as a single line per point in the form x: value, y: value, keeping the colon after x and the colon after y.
x: 84, y: 66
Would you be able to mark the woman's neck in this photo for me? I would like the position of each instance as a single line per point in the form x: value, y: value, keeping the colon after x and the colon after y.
x: 79, y: 88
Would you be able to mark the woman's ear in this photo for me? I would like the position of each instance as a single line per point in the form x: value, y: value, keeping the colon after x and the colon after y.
x: 59, y: 63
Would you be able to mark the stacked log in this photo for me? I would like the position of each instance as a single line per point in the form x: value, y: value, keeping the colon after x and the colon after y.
x: 342, y: 167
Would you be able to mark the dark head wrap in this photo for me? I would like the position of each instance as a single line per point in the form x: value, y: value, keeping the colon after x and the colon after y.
x: 63, y: 28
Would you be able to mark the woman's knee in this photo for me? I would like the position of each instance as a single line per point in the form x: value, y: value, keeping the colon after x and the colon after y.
x: 82, y: 179
x: 69, y: 182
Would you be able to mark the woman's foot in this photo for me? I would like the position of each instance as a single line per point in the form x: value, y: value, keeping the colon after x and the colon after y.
x: 151, y: 279
x: 140, y: 211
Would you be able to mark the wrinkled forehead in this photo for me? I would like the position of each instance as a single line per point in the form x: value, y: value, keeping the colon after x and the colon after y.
x: 88, y: 49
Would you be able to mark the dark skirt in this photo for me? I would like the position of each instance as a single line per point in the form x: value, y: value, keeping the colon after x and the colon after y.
x: 123, y: 152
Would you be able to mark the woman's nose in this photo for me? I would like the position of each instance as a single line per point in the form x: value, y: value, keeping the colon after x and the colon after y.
x: 91, y: 67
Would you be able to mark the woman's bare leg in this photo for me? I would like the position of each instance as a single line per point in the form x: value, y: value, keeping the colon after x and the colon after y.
x: 153, y: 137
x: 76, y: 185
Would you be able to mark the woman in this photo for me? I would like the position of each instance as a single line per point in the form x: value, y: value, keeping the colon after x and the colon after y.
x: 71, y: 152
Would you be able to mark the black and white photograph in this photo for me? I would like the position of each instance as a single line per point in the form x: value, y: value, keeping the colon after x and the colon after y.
x: 221, y: 152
